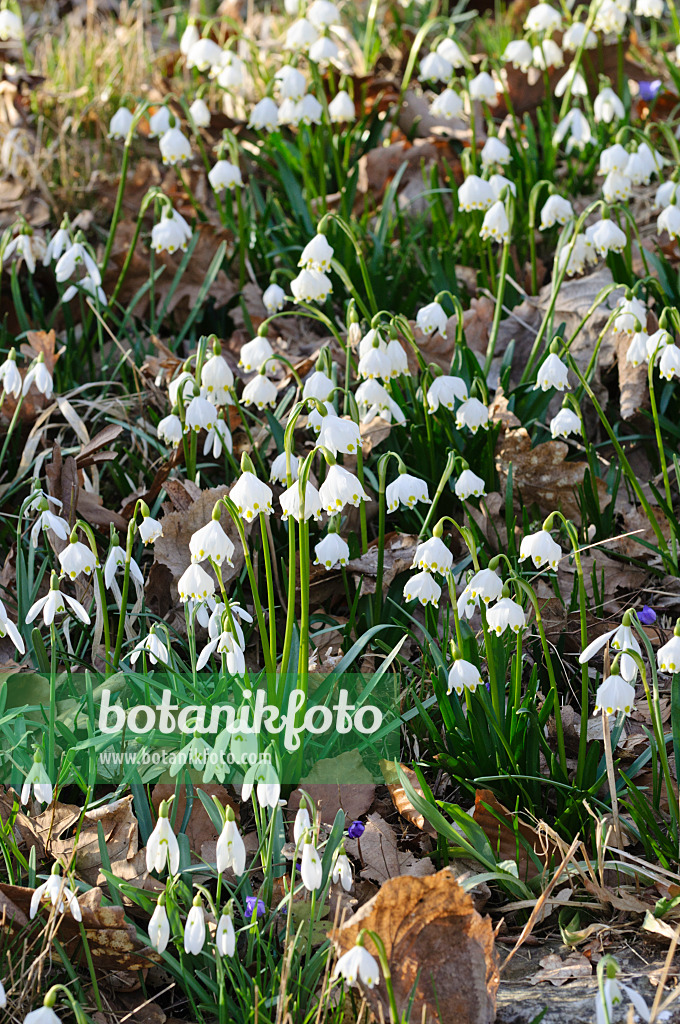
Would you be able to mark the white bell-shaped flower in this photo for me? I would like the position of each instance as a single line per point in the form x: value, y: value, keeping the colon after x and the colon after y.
x: 225, y: 936
x: 311, y: 869
x: 37, y: 780
x: 311, y: 286
x: 432, y: 318
x: 217, y: 380
x: 54, y: 603
x: 194, y: 929
x: 631, y: 316
x: 565, y: 423
x: 300, y: 35
x: 76, y: 558
x: 291, y: 82
x: 341, y: 108
x: 211, y: 542
x: 8, y: 628
x: 203, y: 54
x: 468, y: 483
x: 200, y: 415
x: 669, y: 220
x: 150, y: 529
x: 472, y: 414
x: 200, y: 114
x: 424, y: 588
x: 260, y: 391
x: 115, y: 561
x: 358, y: 965
x: 341, y: 488
x: 656, y: 343
x: 224, y: 175
x: 622, y: 640
x: 506, y: 614
x: 323, y: 14
x: 450, y: 50
x: 496, y: 224
x: 264, y: 115
x: 446, y: 390
x: 318, y: 385
x: 447, y: 105
x: 668, y: 656
x: 195, y: 584
x: 553, y: 373
x: 433, y: 556
x: 231, y: 850
x: 606, y: 237
x: 519, y: 54
x: 291, y: 502
x: 613, y: 158
x: 339, y: 435
x: 273, y: 298
x: 616, y: 187
x: 578, y: 34
x: 556, y: 210
x: 669, y: 363
x: 120, y: 123
x: 159, y: 928
x: 615, y: 694
x: 153, y: 646
x: 331, y: 551
x: 317, y: 254
x: 482, y: 87
x: 435, y: 68
x: 10, y: 378
x: 575, y: 126
x: 608, y: 107
x: 540, y: 547
x: 485, y: 585
x: 162, y: 849
x: 610, y: 18
x: 59, y: 895
x: 278, y: 474
x: 308, y: 110
x: 39, y: 377
x: 342, y: 872
x: 495, y: 152
x: 171, y: 233
x: 547, y: 55
x: 406, y: 490
x: 254, y: 354
x: 464, y: 676
x: 175, y: 147
x: 574, y: 79
x: 475, y: 194
x: 543, y: 18
x: 251, y: 496
x: 159, y: 123
x: 324, y: 51
x: 170, y: 430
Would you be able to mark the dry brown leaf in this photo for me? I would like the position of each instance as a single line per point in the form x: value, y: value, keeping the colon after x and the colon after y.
x: 399, y: 797
x: 326, y: 790
x: 438, y: 947
x: 377, y: 850
x: 499, y: 825
x: 399, y: 551
x: 558, y: 971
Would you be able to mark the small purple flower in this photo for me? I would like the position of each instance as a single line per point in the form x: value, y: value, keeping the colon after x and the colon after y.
x: 648, y: 90
x: 251, y: 903
x: 356, y: 830
x: 647, y: 616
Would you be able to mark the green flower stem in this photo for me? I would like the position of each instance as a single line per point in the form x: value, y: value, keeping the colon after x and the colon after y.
x: 662, y: 453
x: 443, y: 480
x: 146, y: 201
x: 136, y: 118
x: 125, y: 587
x: 53, y: 701
x: 270, y: 590
x: 502, y: 278
x: 89, y: 533
x: 362, y: 504
x: 10, y: 429
x: 387, y: 974
x: 383, y: 462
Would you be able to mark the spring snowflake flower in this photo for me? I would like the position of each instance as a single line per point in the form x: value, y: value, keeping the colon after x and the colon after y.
x: 315, y: 418
x: 614, y: 158
x: 342, y: 872
x: 254, y: 354
x: 565, y: 423
x: 195, y: 584
x: 153, y: 646
x: 621, y: 640
x: 424, y: 588
x: 44, y: 1014
x: 575, y: 254
x: 291, y: 82
x: 669, y: 363
x: 203, y: 54
x: 317, y: 254
x: 200, y: 114
x: 552, y: 374
x: 54, y: 603
x: 11, y: 26
x: 607, y: 107
x: 506, y: 614
x: 225, y: 936
x: 656, y: 343
x: 211, y: 542
x: 463, y: 676
x: 482, y: 87
x: 300, y: 35
x: 217, y: 380
x: 468, y: 483
x: 447, y: 105
x: 340, y: 488
x: 543, y: 18
x: 450, y: 50
x: 606, y: 237
x: 375, y: 364
x: 318, y: 385
x: 407, y: 490
x: 668, y: 656
x: 7, y: 628
x: 150, y: 529
x: 616, y: 187
x: 323, y: 14
x: 311, y: 869
x: 175, y: 147
x: 339, y: 435
x: 496, y: 224
x: 200, y: 415
x: 547, y: 55
x: 495, y: 152
x: 433, y: 556
x: 575, y: 126
x: 574, y: 79
x: 358, y: 964
x: 575, y: 35
x: 331, y: 552
x: 278, y: 473
x: 446, y: 390
x: 37, y: 780
x: 341, y: 108
x: 54, y: 891
x: 485, y: 584
x: 610, y: 18
x: 224, y: 175
x: 159, y: 123
x: 631, y: 315
x: 76, y: 558
x: 291, y: 502
x: 324, y: 51
x: 159, y: 928
x: 171, y: 233
x: 120, y: 123
x: 664, y: 195
x: 10, y: 378
x: 308, y: 110
x: 311, y: 286
x: 556, y: 210
x: 637, y: 350
x: 649, y: 9
x: 231, y: 850
x: 475, y: 194
x: 260, y: 391
x: 519, y: 54
x: 435, y: 68
x: 264, y: 115
x: 615, y: 694
x: 432, y: 318
x: 162, y: 848
x: 540, y: 547
x: 472, y: 414
x: 274, y: 298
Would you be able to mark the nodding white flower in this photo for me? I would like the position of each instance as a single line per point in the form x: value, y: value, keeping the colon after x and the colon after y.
x: 211, y: 542
x: 433, y: 556
x: 203, y: 54
x: 342, y: 872
x: 200, y: 115
x: 7, y: 628
x: 397, y: 358
x: 339, y: 435
x: 485, y: 584
x: 150, y: 529
x: 274, y: 298
x: 664, y: 195
x: 448, y: 104
x: 495, y: 152
x: 547, y: 55
x: 341, y: 108
x: 217, y: 380
x: 463, y: 676
x: 260, y: 391
x: 496, y: 224
x: 649, y: 8
x: 75, y: 256
x: 318, y: 386
x: 300, y: 35
x: 475, y: 194
x: 323, y: 14
x: 264, y: 114
x: 375, y: 364
x: 331, y: 551
x: 268, y: 788
x: 608, y: 106
x: 76, y: 558
x: 162, y: 848
x: 171, y: 233
x: 668, y: 656
x: 288, y: 113
x: 373, y: 400
x: 54, y: 891
x: 424, y: 588
x: 575, y: 35
x: 317, y: 254
x: 574, y: 79
x: 637, y: 169
x: 541, y: 549
x: 482, y: 87
x: 224, y: 175
x: 543, y: 18
x: 341, y: 488
x: 472, y: 414
x: 637, y: 350
x: 49, y: 521
x: 519, y: 54
x: 615, y: 694
x: 291, y: 82
x: 575, y: 253
x: 469, y: 483
x: 153, y: 646
x: 30, y: 247
x: 431, y: 318
x: 669, y: 220
x: 88, y: 287
x: 54, y: 603
x: 178, y: 391
x: 39, y: 781
x: 445, y: 390
x: 557, y: 210
x: 669, y: 363
x: 251, y: 496
x: 115, y: 560
x: 622, y: 640
x: 200, y: 415
x: 227, y: 644
x: 323, y: 51
x: 656, y: 343
x: 291, y: 502
x: 159, y: 123
x: 506, y: 614
x: 44, y: 1014
x: 450, y: 50
x: 614, y: 158
x: 653, y: 162
x: 120, y: 123
x: 630, y: 316
x: 194, y: 929
x: 311, y: 870
x: 231, y: 850
x: 195, y: 584
x: 616, y: 187
x: 230, y: 72
x: 175, y: 147
x: 278, y: 473
x: 159, y: 928
x: 552, y: 374
x: 407, y: 490
x: 302, y: 824
x: 576, y: 126
x: 311, y: 286
x: 435, y: 68
x: 225, y: 936
x: 58, y: 244
x: 11, y: 26
x: 565, y: 423
x: 217, y: 438
x: 254, y: 354
x: 10, y: 378
x: 498, y: 182
x: 40, y: 377
x: 358, y: 964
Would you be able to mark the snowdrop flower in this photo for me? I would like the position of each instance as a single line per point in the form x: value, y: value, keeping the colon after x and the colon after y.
x: 76, y: 558
x: 615, y: 694
x: 150, y: 529
x: 541, y: 549
x: 7, y: 628
x: 54, y: 603
x: 324, y: 50
x: 482, y: 87
x: 445, y: 390
x: 432, y: 318
x: 251, y: 496
x: 10, y: 378
x: 506, y: 614
x: 637, y: 350
x: 668, y: 656
x: 27, y: 246
x: 576, y: 126
x: 496, y: 224
x: 340, y: 488
x: 342, y: 871
x: 565, y: 423
x: 268, y: 788
x: 224, y: 175
x: 49, y: 521
x: 475, y: 194
x: 407, y: 490
x: 291, y: 83
x: 424, y: 588
x: 11, y: 26
x: 622, y: 640
x: 88, y: 287
x: 195, y: 584
x: 226, y: 644
x: 300, y: 35
x: 203, y: 54
x: 159, y: 926
x: 211, y: 542
x: 39, y: 781
x: 264, y: 114
x: 175, y: 147
x: 302, y: 824
x: 171, y: 233
x: 317, y: 254
x: 358, y: 964
x: 273, y: 298
x: 291, y: 502
x: 59, y: 895
x: 552, y: 374
x: 339, y: 435
x: 469, y: 483
x: 463, y: 676
x: 225, y: 936
x: 331, y: 551
x: 557, y: 210
x: 574, y: 37
x: 194, y: 929
x: 577, y: 82
x: 607, y: 106
x: 76, y: 255
x: 154, y: 647
x: 519, y: 54
x: 435, y: 68
x: 115, y: 560
x: 311, y: 870
x: 669, y: 363
x: 311, y: 286
x: 120, y: 123
x: 495, y: 152
x: 341, y: 108
x: 669, y: 220
x: 231, y: 850
x: 543, y: 18
x: 448, y: 104
x: 58, y: 244
x: 547, y: 55
x: 162, y: 848
x: 473, y: 415
x: 433, y: 556
x: 260, y: 391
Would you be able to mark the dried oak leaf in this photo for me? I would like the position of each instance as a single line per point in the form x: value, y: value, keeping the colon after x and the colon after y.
x: 378, y: 851
x: 329, y: 792
x: 200, y: 828
x: 499, y: 825
x: 399, y: 797
x: 399, y: 551
x: 439, y: 948
x: 558, y: 971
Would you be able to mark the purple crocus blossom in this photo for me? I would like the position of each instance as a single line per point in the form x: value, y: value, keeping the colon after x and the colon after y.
x: 356, y: 830
x: 648, y: 90
x: 251, y: 903
x: 647, y: 616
